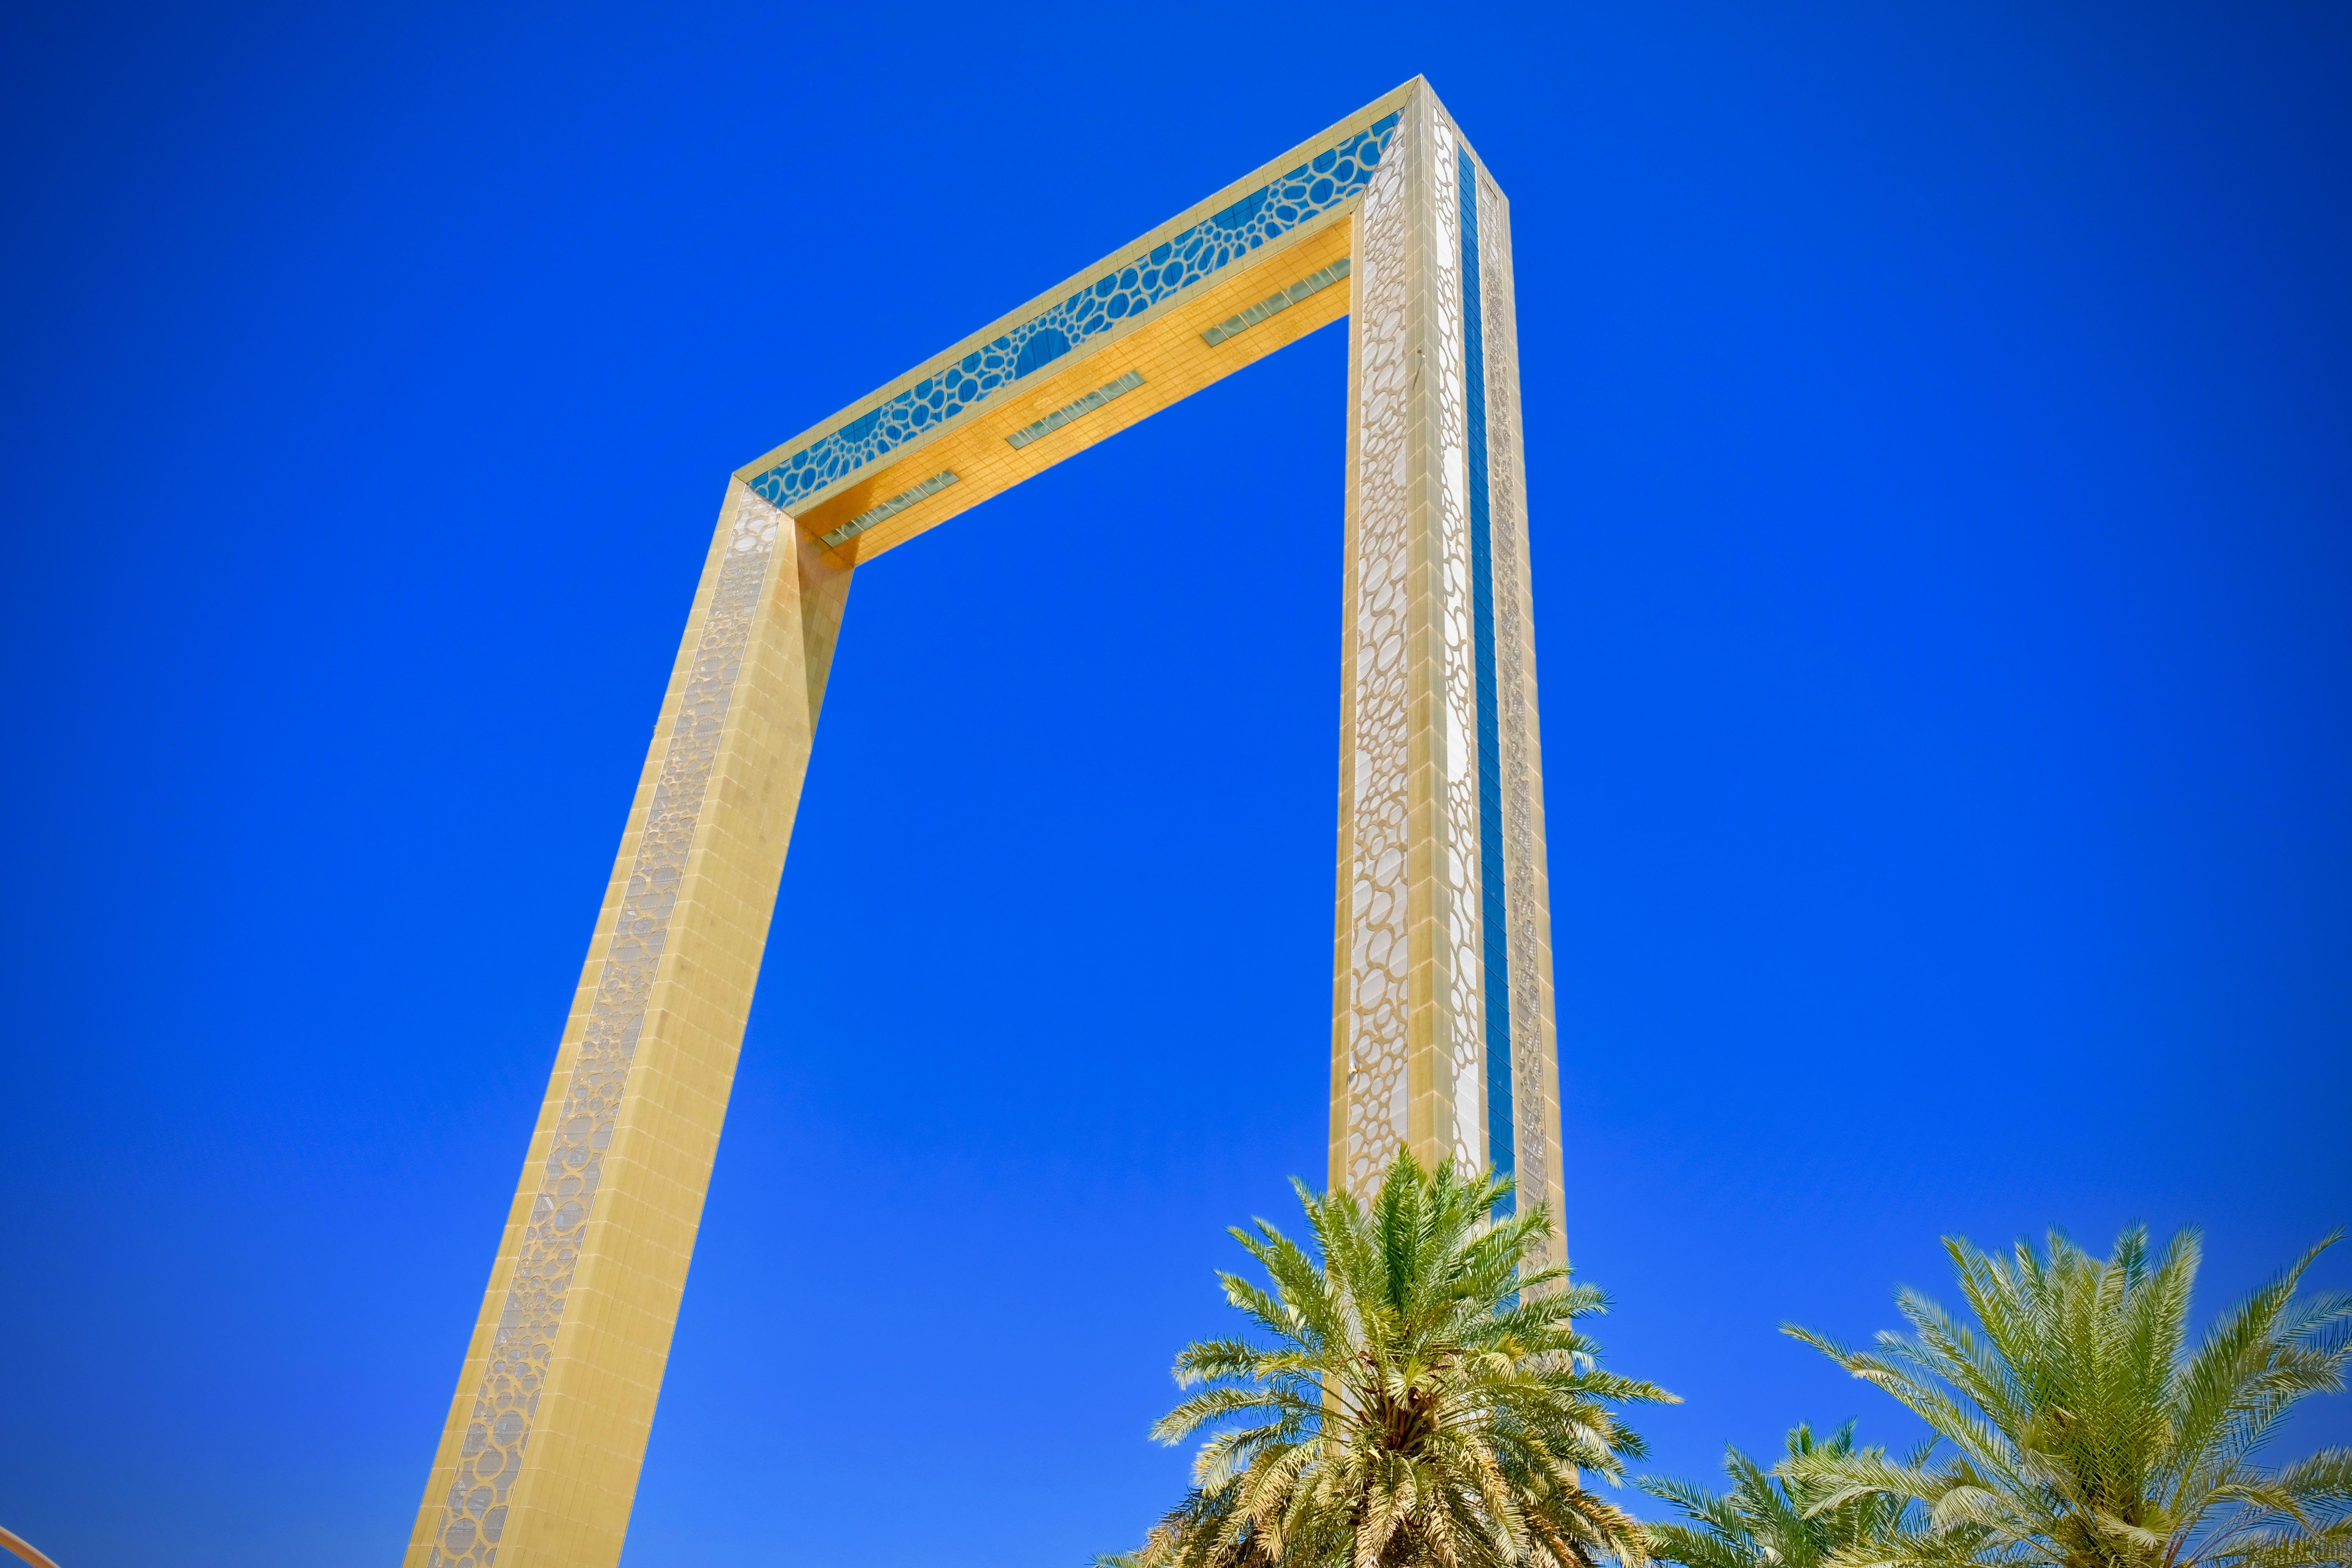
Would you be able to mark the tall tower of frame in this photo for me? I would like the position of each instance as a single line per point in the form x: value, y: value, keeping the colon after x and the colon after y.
x: 1442, y: 1036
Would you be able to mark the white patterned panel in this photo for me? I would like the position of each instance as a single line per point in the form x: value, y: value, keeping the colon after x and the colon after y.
x: 474, y: 1515
x: 1379, y: 957
x: 1507, y: 536
x: 1466, y: 1051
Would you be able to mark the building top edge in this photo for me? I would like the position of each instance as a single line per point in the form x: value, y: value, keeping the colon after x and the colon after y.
x: 1127, y: 256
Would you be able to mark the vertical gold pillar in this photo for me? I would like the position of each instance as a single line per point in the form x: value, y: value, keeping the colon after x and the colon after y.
x: 1442, y: 1039
x: 537, y: 1462
x: 1540, y: 1159
x: 1403, y: 1021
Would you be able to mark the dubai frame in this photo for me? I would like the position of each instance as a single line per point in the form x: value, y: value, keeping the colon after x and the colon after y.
x: 1442, y: 1034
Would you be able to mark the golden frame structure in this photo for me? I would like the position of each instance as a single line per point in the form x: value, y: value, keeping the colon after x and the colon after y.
x: 1442, y: 1038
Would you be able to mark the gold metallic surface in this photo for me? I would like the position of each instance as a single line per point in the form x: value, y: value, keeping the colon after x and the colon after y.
x: 570, y: 1505
x: 567, y: 1499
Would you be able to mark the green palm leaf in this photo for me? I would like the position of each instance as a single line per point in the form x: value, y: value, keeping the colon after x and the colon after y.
x: 1415, y: 1394
x: 1768, y: 1520
x: 2083, y: 1430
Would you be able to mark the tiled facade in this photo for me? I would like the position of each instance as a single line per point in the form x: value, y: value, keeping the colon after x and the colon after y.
x: 1442, y: 1035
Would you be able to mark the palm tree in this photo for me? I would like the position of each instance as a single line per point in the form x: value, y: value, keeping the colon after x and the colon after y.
x: 1766, y: 1520
x: 1421, y: 1397
x: 2084, y: 1434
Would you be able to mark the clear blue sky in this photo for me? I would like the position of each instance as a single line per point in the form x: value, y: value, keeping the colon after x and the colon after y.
x: 1942, y: 500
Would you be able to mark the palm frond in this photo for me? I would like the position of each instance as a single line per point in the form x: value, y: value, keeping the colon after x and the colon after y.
x: 2083, y: 1432
x: 1413, y: 1390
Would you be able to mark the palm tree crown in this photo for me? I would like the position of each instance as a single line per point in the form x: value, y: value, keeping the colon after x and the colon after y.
x: 1419, y: 1397
x: 2083, y: 1433
x: 1766, y: 1520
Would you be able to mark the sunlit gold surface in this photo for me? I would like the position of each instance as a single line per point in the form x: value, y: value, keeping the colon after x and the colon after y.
x: 1166, y: 350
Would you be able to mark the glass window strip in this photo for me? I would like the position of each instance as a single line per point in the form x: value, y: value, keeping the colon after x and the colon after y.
x: 1313, y: 283
x: 1069, y: 411
x: 891, y: 508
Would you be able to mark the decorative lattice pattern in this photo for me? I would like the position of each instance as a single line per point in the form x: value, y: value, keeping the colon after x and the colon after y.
x: 1465, y: 1055
x: 490, y: 1458
x: 1533, y: 1119
x: 1314, y: 187
x: 1375, y: 1008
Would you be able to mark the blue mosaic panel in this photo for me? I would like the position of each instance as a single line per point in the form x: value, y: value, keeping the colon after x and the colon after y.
x: 1502, y: 1125
x: 1314, y: 187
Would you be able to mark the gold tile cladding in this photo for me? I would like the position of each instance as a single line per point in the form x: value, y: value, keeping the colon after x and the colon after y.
x: 1164, y: 347
x: 538, y: 1463
x: 1126, y: 255
x: 1410, y: 1045
x: 749, y: 702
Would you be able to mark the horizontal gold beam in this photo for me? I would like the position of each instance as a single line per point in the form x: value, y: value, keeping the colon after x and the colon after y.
x: 1168, y: 351
x: 1125, y: 256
